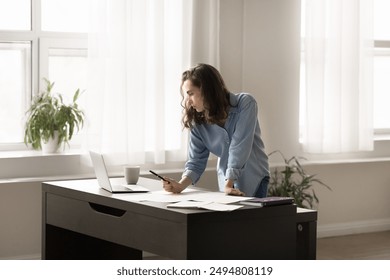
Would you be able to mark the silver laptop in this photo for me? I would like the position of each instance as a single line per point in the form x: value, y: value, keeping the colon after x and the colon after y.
x: 104, y: 181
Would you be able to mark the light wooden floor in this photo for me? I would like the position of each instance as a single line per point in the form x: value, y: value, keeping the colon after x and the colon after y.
x: 367, y: 246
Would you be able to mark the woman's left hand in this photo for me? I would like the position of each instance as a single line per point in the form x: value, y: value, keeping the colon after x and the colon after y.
x: 230, y: 190
x: 233, y: 191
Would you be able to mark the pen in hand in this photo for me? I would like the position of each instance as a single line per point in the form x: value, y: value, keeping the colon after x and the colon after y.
x: 159, y: 176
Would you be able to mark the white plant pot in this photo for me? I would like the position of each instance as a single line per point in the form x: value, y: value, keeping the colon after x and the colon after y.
x: 51, y: 146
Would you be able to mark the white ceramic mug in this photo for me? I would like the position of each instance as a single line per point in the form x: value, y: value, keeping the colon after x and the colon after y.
x: 131, y: 174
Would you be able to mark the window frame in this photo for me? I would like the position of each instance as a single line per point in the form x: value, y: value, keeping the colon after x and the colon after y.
x: 41, y: 41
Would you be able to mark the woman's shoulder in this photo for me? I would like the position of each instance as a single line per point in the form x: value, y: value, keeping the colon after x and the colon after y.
x: 241, y: 99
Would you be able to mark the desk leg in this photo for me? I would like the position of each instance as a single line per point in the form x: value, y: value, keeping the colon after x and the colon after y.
x: 307, y: 240
x: 62, y: 244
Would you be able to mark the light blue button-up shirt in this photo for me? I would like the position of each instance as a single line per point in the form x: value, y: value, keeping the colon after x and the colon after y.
x: 238, y: 146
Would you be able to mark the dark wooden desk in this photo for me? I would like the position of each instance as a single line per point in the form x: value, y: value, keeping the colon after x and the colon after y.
x: 82, y: 221
x: 306, y: 220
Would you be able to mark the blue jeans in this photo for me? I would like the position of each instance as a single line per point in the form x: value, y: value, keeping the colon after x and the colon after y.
x: 262, y: 188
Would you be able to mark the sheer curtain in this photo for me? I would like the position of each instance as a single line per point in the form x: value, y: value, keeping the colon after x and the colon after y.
x: 137, y: 52
x: 338, y: 49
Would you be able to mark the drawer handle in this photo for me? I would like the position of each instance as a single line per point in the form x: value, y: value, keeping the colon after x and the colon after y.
x: 107, y: 210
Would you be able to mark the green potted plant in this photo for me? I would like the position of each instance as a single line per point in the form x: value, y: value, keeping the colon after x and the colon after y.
x: 294, y: 182
x: 48, y: 119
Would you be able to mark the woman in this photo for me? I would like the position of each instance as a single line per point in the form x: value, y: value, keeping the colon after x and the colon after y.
x: 226, y: 125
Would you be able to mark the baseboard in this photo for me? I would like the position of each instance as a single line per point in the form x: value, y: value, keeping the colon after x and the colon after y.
x: 339, y: 229
x: 38, y: 257
x: 23, y: 257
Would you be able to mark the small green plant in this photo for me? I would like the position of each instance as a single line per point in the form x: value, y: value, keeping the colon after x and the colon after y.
x: 49, y: 114
x: 294, y: 182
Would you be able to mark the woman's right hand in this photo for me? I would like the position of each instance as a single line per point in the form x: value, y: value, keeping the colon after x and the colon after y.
x: 170, y: 185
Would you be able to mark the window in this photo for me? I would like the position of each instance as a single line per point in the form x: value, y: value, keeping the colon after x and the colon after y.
x: 15, y: 15
x: 38, y: 39
x: 65, y: 16
x: 15, y: 85
x: 65, y: 63
x: 381, y: 66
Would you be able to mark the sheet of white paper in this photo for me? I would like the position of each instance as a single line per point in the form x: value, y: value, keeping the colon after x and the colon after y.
x: 204, y: 205
x: 161, y: 196
x: 153, y: 197
x: 188, y: 204
x: 219, y: 197
x: 220, y: 207
x: 186, y: 191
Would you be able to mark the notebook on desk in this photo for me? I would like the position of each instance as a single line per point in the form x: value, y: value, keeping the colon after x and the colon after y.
x: 268, y: 201
x: 104, y: 181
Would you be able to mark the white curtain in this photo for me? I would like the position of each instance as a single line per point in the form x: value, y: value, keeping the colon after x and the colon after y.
x: 137, y: 52
x: 338, y: 49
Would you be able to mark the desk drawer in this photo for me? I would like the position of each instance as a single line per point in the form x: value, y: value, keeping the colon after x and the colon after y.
x: 83, y: 217
x: 120, y: 226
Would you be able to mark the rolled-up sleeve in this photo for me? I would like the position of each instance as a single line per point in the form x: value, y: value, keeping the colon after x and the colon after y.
x: 242, y: 138
x: 198, y: 155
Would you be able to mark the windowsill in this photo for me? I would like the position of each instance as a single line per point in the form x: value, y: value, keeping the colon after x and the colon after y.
x: 47, y: 178
x: 382, y: 137
x: 381, y: 153
x: 324, y: 162
x: 29, y: 165
x: 34, y: 166
x: 310, y: 159
x: 32, y: 154
x: 345, y: 161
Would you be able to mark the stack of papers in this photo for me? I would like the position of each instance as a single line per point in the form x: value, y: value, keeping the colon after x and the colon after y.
x: 190, y: 198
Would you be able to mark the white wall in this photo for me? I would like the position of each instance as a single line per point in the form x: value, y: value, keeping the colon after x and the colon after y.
x: 271, y: 68
x: 359, y: 200
x: 20, y: 218
x: 260, y: 55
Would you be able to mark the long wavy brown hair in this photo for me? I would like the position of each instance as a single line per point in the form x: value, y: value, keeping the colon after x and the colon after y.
x: 215, y: 95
